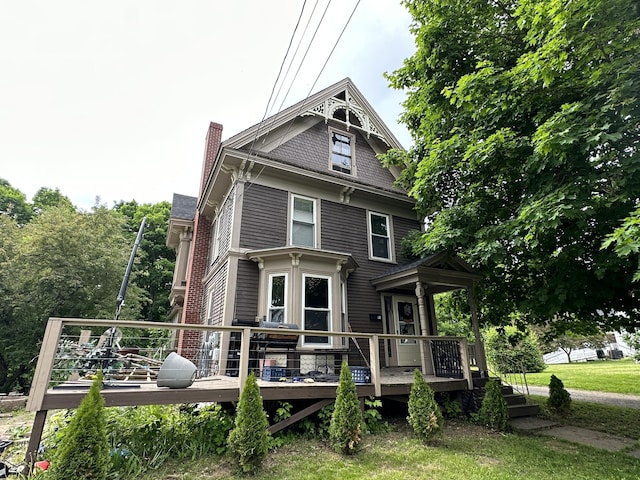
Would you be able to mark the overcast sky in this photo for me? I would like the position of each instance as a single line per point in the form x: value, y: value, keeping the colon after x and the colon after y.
x: 113, y: 99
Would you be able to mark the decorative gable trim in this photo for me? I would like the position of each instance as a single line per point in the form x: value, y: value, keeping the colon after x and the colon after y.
x: 353, y: 112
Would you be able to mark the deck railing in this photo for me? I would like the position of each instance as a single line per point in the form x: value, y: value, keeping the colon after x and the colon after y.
x: 74, y: 347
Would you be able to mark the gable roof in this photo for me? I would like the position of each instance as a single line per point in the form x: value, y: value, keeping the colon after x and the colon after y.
x: 342, y: 95
x: 441, y: 271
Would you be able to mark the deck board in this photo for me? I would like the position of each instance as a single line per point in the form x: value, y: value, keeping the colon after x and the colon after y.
x: 223, y: 389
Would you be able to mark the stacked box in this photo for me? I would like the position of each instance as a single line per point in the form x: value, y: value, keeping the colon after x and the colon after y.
x: 361, y: 374
x: 273, y: 374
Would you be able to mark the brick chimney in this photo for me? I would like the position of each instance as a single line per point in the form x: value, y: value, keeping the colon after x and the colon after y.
x: 189, y: 342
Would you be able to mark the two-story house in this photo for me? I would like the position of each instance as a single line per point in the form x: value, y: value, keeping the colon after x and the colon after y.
x: 298, y: 223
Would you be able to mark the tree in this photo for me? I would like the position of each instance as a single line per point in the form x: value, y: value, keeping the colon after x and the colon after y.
x: 525, y: 117
x: 248, y: 442
x: 626, y: 239
x: 559, y: 399
x: 569, y: 341
x: 62, y: 264
x: 14, y: 203
x: 345, y: 429
x: 494, y: 412
x: 83, y: 452
x: 424, y: 413
x: 47, y: 197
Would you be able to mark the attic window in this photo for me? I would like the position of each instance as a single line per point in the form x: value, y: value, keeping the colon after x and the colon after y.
x: 341, y: 152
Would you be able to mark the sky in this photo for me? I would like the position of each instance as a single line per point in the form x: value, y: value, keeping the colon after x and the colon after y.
x: 113, y: 99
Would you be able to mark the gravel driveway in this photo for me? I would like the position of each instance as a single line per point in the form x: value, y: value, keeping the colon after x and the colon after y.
x: 618, y: 399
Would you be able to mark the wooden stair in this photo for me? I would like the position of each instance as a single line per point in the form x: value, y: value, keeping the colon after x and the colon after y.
x: 516, y: 402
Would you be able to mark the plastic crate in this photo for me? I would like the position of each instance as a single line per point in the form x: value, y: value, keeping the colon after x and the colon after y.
x: 361, y: 374
x: 273, y: 374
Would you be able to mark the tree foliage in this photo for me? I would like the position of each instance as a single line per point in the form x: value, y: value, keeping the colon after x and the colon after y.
x: 14, y: 203
x: 525, y: 116
x: 510, y: 350
x: 61, y: 264
x: 569, y: 341
x: 83, y: 452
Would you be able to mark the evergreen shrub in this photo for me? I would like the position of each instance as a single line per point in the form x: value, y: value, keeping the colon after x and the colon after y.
x: 248, y: 442
x: 424, y: 413
x: 83, y: 451
x: 559, y: 400
x: 493, y: 412
x: 345, y: 430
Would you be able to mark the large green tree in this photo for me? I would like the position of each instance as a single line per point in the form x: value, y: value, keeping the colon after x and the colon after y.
x: 525, y: 116
x: 14, y: 203
x: 61, y: 264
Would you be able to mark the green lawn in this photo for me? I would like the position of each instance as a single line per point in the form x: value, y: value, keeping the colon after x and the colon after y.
x: 617, y: 376
x: 466, y: 451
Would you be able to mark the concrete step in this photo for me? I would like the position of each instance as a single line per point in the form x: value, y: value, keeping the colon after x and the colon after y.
x: 523, y: 410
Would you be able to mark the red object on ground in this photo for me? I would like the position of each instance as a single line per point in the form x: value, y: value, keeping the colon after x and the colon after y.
x: 44, y: 464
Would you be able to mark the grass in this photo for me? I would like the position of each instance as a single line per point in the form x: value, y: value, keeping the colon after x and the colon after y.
x: 465, y: 451
x: 616, y: 376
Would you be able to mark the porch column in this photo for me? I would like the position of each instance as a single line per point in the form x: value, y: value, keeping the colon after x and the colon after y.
x: 480, y: 353
x: 422, y: 313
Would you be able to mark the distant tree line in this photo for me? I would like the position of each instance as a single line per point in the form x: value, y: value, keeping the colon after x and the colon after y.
x: 59, y: 261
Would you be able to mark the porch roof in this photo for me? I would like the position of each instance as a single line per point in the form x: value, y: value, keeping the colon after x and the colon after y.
x: 439, y: 272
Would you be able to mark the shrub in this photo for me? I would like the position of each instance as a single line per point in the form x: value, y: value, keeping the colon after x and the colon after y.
x: 248, y: 442
x: 493, y: 412
x: 424, y: 413
x: 83, y: 451
x: 345, y: 430
x: 559, y: 399
x: 510, y: 350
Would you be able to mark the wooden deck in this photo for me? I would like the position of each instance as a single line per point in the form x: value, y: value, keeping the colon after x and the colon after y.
x: 223, y: 389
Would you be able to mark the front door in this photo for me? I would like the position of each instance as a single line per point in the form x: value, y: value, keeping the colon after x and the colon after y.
x: 407, y: 322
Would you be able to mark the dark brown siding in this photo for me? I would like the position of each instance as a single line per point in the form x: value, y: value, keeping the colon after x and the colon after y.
x: 344, y: 229
x: 247, y: 290
x: 310, y: 150
x: 264, y: 217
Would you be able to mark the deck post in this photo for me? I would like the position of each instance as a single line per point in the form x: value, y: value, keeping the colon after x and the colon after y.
x: 481, y: 357
x: 374, y: 357
x: 422, y: 313
x: 44, y: 367
x: 464, y: 358
x: 34, y: 439
x: 243, y: 367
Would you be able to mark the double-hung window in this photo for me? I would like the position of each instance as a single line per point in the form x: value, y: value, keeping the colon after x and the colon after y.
x: 379, y: 236
x: 341, y: 157
x: 317, y: 308
x: 278, y: 298
x: 303, y: 221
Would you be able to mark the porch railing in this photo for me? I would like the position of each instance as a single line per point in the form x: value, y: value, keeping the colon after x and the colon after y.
x: 71, y: 347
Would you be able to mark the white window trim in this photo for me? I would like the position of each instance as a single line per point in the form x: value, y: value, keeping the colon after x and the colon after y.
x: 329, y: 311
x: 286, y: 294
x: 390, y: 241
x: 352, y: 145
x: 215, y: 251
x: 315, y: 219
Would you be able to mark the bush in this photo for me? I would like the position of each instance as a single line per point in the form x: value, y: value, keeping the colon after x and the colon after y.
x: 559, y: 400
x: 510, y: 350
x: 83, y: 451
x: 424, y: 413
x: 248, y: 442
x: 345, y: 430
x: 493, y: 412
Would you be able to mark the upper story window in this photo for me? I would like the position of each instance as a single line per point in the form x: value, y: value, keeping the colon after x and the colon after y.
x: 380, y: 236
x: 277, y: 298
x: 341, y: 153
x: 215, y: 239
x: 303, y: 221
